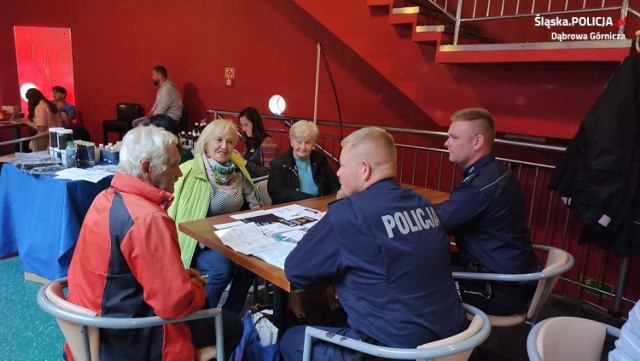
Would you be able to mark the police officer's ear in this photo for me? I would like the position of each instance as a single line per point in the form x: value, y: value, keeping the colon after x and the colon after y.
x: 478, y: 141
x: 366, y: 170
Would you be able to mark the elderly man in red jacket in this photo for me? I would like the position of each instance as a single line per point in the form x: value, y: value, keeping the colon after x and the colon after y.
x: 127, y: 260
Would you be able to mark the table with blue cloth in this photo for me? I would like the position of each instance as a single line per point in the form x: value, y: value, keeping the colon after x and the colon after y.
x: 40, y: 218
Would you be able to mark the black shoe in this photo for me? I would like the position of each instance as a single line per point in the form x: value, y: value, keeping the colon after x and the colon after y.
x: 338, y: 318
x: 294, y: 320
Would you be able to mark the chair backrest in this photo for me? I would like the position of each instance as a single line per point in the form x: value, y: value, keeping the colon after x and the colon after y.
x: 474, y: 327
x: 556, y: 259
x: 184, y: 121
x: 263, y: 193
x: 126, y: 112
x: 570, y: 339
x: 72, y: 331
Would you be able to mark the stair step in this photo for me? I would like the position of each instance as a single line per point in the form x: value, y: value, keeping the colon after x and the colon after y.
x: 566, y: 51
x: 406, y: 10
x: 430, y: 28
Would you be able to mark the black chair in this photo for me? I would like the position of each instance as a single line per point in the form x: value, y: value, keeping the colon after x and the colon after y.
x: 125, y: 114
x: 184, y: 121
x: 79, y: 130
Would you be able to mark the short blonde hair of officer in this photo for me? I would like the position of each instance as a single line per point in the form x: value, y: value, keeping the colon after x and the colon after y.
x: 380, y: 140
x: 302, y: 129
x: 215, y: 128
x: 486, y: 124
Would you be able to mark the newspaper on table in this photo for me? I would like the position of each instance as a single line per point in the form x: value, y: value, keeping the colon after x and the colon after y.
x: 269, y: 234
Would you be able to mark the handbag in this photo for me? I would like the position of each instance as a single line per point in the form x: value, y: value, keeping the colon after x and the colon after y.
x: 259, y: 339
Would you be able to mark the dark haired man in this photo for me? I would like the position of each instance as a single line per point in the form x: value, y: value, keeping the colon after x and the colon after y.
x: 66, y: 111
x: 168, y: 99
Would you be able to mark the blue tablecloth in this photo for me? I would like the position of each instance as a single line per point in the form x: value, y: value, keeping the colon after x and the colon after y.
x: 40, y: 218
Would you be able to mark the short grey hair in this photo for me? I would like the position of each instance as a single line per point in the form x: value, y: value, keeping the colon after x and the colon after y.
x: 303, y: 129
x: 213, y: 129
x: 145, y: 143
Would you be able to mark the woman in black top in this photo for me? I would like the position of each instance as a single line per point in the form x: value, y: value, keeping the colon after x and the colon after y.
x: 259, y: 148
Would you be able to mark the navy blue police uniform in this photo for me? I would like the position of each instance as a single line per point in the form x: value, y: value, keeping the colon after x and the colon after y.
x: 388, y: 255
x: 486, y: 215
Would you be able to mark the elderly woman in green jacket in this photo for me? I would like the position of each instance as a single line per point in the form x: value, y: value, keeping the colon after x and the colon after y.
x: 214, y: 182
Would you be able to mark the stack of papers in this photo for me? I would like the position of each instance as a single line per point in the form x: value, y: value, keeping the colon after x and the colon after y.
x: 268, y: 234
x: 90, y: 175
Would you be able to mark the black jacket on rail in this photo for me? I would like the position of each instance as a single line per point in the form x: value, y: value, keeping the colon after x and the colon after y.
x: 284, y: 184
x: 599, y: 174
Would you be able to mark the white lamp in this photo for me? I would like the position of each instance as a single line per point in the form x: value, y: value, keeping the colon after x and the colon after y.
x: 24, y: 88
x: 277, y: 105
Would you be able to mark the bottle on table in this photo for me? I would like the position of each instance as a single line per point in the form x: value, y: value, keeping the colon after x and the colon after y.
x: 71, y: 155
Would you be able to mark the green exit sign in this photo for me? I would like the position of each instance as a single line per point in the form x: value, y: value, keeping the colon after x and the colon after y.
x: 597, y: 285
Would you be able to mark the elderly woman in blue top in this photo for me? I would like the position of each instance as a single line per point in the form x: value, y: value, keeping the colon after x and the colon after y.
x: 214, y: 183
x: 301, y: 172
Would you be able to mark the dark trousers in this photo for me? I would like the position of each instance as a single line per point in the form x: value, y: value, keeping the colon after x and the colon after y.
x: 203, y: 332
x: 292, y: 346
x: 494, y: 298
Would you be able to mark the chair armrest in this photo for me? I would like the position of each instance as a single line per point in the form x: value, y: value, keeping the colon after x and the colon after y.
x: 523, y: 277
x: 127, y: 323
x: 116, y: 322
x: 400, y: 353
x: 532, y: 339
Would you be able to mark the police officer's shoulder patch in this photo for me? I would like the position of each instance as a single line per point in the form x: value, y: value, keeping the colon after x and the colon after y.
x: 469, y: 178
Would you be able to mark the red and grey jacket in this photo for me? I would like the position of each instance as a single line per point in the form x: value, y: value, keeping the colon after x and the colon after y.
x: 127, y: 264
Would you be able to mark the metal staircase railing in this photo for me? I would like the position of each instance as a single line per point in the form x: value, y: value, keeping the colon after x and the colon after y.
x: 462, y: 11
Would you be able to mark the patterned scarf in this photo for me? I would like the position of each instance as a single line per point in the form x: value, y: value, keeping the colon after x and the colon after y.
x: 224, y: 174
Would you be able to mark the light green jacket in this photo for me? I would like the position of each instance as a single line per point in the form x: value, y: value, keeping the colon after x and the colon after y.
x: 192, y: 194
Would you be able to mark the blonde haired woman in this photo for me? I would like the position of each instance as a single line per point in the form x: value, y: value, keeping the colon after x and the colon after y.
x: 214, y: 183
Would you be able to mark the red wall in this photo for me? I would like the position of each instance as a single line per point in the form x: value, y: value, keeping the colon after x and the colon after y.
x: 271, y: 44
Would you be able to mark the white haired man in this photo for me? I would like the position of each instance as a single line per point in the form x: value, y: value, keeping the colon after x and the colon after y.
x: 127, y: 259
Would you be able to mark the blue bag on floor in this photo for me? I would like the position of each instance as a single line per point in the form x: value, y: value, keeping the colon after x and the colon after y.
x: 256, y: 326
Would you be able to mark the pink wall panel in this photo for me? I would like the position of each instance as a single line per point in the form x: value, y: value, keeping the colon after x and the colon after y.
x: 44, y: 59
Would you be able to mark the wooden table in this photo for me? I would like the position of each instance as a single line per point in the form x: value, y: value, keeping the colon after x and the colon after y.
x: 202, y: 231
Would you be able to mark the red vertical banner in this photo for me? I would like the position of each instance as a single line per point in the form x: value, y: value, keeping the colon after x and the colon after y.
x: 44, y: 60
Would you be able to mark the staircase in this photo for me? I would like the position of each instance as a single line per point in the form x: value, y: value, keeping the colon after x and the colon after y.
x: 448, y: 27
x: 531, y: 90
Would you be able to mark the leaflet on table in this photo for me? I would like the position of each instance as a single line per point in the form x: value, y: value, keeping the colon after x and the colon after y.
x: 294, y: 211
x: 276, y: 254
x: 246, y: 238
x: 242, y: 216
x: 292, y: 236
x: 228, y: 225
x: 284, y: 219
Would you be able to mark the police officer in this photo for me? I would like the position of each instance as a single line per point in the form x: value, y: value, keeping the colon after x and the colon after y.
x: 386, y: 252
x: 486, y: 215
